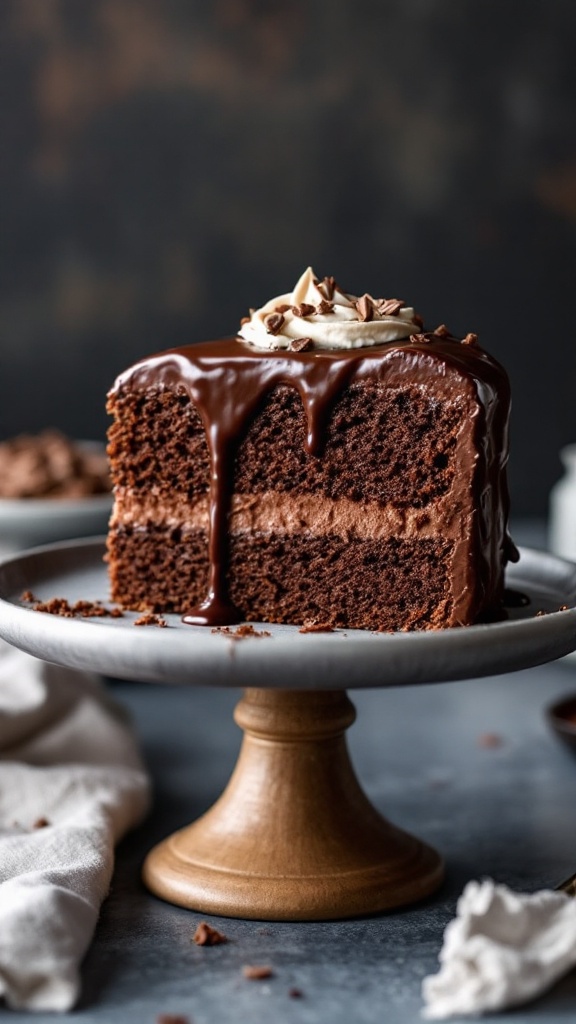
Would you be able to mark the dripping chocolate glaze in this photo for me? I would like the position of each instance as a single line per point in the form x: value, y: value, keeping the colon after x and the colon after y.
x: 227, y: 381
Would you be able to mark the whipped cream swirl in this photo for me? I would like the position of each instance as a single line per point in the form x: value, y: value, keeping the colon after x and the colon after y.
x: 318, y: 311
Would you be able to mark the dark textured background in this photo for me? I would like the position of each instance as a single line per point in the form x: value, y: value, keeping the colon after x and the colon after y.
x: 165, y: 163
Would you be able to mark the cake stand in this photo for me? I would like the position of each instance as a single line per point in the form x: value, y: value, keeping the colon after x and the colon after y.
x: 293, y: 837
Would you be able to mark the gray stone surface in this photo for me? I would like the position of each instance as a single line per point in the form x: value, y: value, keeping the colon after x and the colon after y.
x: 504, y: 811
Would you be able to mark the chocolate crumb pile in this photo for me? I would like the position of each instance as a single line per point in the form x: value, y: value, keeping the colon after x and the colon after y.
x: 150, y: 619
x: 241, y: 633
x: 49, y: 465
x: 80, y: 609
x: 206, y: 935
x: 87, y: 610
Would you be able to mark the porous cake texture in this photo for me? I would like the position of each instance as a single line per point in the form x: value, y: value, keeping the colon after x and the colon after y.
x: 364, y: 487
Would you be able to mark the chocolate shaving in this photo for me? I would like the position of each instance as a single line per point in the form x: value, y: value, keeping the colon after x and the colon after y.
x: 274, y: 323
x: 365, y: 308
x: 419, y: 339
x: 326, y: 287
x: 206, y: 935
x: 257, y: 972
x: 470, y: 339
x: 442, y: 331
x: 324, y: 307
x: 304, y: 309
x: 301, y: 345
x: 28, y: 596
x: 283, y: 307
x: 389, y: 307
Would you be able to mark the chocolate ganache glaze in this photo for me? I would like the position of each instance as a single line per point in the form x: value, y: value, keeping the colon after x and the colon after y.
x: 227, y: 381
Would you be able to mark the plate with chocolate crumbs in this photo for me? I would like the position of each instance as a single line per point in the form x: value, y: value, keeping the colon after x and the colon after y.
x: 51, y: 489
x: 54, y: 604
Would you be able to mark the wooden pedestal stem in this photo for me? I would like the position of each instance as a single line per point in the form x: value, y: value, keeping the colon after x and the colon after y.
x: 293, y: 836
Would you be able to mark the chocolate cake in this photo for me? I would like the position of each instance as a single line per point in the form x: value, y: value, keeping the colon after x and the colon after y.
x: 332, y: 463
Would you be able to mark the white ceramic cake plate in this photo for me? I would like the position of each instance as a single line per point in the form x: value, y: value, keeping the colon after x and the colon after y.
x: 293, y: 836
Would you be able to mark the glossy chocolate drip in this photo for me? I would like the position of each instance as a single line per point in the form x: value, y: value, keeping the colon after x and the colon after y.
x: 228, y: 380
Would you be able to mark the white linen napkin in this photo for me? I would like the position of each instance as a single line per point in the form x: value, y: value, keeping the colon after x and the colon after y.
x: 71, y: 785
x: 502, y: 949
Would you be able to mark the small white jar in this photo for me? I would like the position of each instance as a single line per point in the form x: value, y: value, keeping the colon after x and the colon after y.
x: 562, y: 522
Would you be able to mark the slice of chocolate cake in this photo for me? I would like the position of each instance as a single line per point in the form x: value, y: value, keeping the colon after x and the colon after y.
x: 334, y: 463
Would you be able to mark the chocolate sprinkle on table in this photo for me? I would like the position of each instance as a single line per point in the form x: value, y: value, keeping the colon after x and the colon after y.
x: 206, y: 935
x: 490, y: 740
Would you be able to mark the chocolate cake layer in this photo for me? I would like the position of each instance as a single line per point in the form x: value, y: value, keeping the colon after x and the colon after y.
x: 377, y: 427
x: 295, y: 485
x: 359, y: 583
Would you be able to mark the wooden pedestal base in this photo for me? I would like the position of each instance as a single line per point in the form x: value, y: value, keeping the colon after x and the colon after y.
x: 293, y: 837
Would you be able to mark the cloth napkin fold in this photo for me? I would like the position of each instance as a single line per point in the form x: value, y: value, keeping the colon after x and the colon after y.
x: 71, y: 784
x: 502, y: 949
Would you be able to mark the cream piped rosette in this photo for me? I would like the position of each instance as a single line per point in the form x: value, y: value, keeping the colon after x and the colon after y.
x: 332, y: 319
